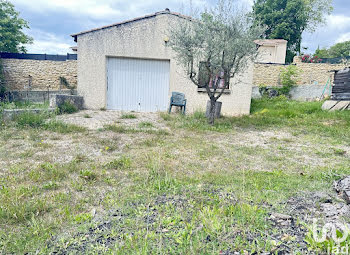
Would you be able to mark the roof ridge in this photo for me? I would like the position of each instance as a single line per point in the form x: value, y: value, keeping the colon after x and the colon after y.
x: 167, y: 11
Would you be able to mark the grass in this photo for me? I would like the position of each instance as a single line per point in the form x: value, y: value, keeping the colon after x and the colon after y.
x: 202, y: 190
x: 143, y: 128
x: 23, y: 105
x: 146, y: 124
x: 302, y: 117
x: 128, y: 116
x: 41, y: 121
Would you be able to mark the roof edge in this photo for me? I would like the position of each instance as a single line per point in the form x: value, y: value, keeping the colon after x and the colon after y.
x: 270, y: 41
x: 132, y: 20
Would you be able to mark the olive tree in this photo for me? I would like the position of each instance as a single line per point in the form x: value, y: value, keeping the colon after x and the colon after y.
x: 215, y: 46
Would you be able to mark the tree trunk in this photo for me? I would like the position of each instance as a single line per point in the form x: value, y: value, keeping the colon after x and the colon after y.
x: 213, y: 110
x: 211, y: 118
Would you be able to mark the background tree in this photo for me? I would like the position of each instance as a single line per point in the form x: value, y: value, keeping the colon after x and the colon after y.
x: 214, y: 47
x: 12, y: 37
x: 288, y: 19
x: 339, y: 50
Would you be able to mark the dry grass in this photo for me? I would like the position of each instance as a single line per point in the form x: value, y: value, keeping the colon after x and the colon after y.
x: 141, y: 190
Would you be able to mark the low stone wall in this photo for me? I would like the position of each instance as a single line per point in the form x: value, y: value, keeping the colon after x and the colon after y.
x: 311, y: 73
x: 36, y: 96
x: 58, y: 100
x: 308, y: 92
x: 43, y: 73
x: 301, y: 92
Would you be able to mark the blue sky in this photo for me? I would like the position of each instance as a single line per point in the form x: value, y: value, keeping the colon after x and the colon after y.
x: 52, y: 21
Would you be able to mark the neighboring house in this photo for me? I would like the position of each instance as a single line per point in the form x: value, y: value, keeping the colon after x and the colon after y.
x: 129, y: 66
x: 272, y: 51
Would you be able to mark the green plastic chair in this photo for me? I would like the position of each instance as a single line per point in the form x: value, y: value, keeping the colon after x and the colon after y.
x: 178, y: 99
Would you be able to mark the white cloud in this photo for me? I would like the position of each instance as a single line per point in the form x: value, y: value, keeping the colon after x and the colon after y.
x: 49, y: 43
x: 93, y: 8
x: 104, y: 9
x: 49, y: 47
x: 343, y: 38
x: 338, y: 22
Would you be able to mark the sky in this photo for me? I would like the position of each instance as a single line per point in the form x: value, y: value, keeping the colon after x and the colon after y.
x: 53, y: 21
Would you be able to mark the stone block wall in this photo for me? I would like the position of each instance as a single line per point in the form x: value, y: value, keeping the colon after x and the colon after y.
x: 44, y: 73
x: 311, y: 73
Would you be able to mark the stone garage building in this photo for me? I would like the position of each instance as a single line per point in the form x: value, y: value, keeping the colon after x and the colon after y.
x: 129, y: 66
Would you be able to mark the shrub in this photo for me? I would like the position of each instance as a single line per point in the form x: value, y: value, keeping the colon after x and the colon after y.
x: 289, y: 77
x: 310, y: 59
x: 67, y: 107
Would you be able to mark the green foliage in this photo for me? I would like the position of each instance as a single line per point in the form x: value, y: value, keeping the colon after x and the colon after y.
x: 288, y: 19
x: 88, y: 175
x: 12, y: 36
x: 29, y: 119
x: 61, y: 127
x: 339, y: 50
x: 306, y: 117
x: 40, y: 120
x: 83, y: 217
x: 322, y: 53
x: 64, y: 82
x: 289, y: 77
x: 121, y: 163
x: 67, y: 107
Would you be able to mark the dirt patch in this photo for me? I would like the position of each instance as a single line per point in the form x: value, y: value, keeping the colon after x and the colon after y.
x: 94, y: 120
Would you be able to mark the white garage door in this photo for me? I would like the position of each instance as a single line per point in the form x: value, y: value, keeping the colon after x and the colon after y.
x: 137, y: 84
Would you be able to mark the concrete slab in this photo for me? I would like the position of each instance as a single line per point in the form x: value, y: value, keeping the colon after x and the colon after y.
x: 334, y: 105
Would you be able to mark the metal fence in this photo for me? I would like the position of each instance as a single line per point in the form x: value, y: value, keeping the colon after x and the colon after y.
x: 38, y: 56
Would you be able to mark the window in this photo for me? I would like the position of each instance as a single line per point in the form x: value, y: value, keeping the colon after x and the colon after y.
x: 204, y: 78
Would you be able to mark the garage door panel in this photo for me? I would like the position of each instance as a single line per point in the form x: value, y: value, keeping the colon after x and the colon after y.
x: 137, y: 84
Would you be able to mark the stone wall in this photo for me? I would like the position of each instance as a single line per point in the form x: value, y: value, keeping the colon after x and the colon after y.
x: 44, y: 73
x: 311, y: 73
x: 300, y: 93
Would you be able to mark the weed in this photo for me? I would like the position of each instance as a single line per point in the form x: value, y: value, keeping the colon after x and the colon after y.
x: 61, y: 127
x: 121, y: 163
x: 88, y: 175
x: 120, y: 129
x: 128, y: 116
x: 339, y: 152
x: 165, y: 116
x: 29, y: 119
x: 50, y: 185
x: 87, y: 116
x: 67, y: 108
x: 145, y: 124
x: 83, y: 217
